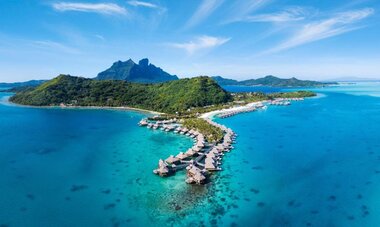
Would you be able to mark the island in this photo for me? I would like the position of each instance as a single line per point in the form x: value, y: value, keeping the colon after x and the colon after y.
x: 183, y: 106
x: 272, y: 81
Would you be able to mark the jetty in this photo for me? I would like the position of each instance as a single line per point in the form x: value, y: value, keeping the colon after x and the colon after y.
x: 199, y: 160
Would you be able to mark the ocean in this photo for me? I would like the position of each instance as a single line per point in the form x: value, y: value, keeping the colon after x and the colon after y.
x: 314, y: 163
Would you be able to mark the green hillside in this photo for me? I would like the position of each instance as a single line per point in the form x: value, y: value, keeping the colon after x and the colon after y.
x: 169, y: 97
x: 272, y: 81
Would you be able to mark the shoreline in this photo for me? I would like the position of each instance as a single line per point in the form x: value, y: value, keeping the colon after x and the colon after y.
x: 210, y: 115
x: 125, y: 108
x: 121, y: 108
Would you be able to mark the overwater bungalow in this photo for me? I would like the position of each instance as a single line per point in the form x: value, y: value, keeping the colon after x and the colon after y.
x: 200, y: 144
x: 184, y: 130
x: 279, y: 102
x: 182, y: 156
x: 163, y: 169
x: 210, y: 155
x: 143, y: 122
x: 170, y: 128
x: 211, y: 165
x: 191, y: 152
x: 172, y: 160
x: 213, y: 156
x: 195, y: 175
x: 196, y: 149
x: 215, y: 151
x: 220, y: 147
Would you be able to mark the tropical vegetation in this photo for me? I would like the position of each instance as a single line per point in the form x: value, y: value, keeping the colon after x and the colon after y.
x: 211, y: 132
x: 271, y: 81
x: 170, y: 97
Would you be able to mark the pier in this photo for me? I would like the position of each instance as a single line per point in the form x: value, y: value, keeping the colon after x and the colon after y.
x: 201, y: 159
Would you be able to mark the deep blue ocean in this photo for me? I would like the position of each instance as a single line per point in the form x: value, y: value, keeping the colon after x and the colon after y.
x: 314, y: 163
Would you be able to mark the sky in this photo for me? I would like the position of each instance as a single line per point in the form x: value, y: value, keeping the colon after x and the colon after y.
x: 238, y: 39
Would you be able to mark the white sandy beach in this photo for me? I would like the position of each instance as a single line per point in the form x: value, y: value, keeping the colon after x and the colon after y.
x: 210, y: 115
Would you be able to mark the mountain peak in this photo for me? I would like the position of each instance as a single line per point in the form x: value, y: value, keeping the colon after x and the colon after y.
x: 271, y: 77
x: 123, y: 63
x: 143, y: 72
x: 144, y: 62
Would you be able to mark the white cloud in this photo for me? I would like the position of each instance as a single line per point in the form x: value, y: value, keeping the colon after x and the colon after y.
x: 243, y: 8
x: 102, y: 8
x: 291, y: 14
x: 100, y: 37
x: 205, y: 9
x: 200, y: 43
x: 336, y: 25
x: 143, y: 4
x: 54, y: 46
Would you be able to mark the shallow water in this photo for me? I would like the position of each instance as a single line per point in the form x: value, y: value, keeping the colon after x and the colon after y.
x: 314, y: 163
x: 82, y: 168
x: 234, y: 88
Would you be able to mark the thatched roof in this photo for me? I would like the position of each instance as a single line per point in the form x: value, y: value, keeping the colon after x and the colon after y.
x: 197, y: 149
x: 199, y: 177
x: 190, y: 152
x: 200, y: 144
x: 211, y: 155
x: 210, y: 166
x: 220, y: 147
x: 161, y: 163
x: 171, y: 159
x: 181, y: 155
x: 163, y: 169
x: 192, y: 170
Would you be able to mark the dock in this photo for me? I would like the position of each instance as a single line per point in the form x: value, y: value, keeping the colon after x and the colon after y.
x: 199, y: 160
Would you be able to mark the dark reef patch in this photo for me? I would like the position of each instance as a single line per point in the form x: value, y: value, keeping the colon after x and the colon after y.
x: 30, y: 196
x: 351, y: 217
x: 254, y: 190
x: 107, y: 191
x: 332, y: 198
x: 75, y: 188
x: 257, y: 168
x: 260, y: 204
x: 109, y: 206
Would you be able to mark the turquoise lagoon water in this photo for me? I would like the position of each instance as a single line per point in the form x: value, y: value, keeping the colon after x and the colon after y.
x: 233, y: 88
x: 314, y: 163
